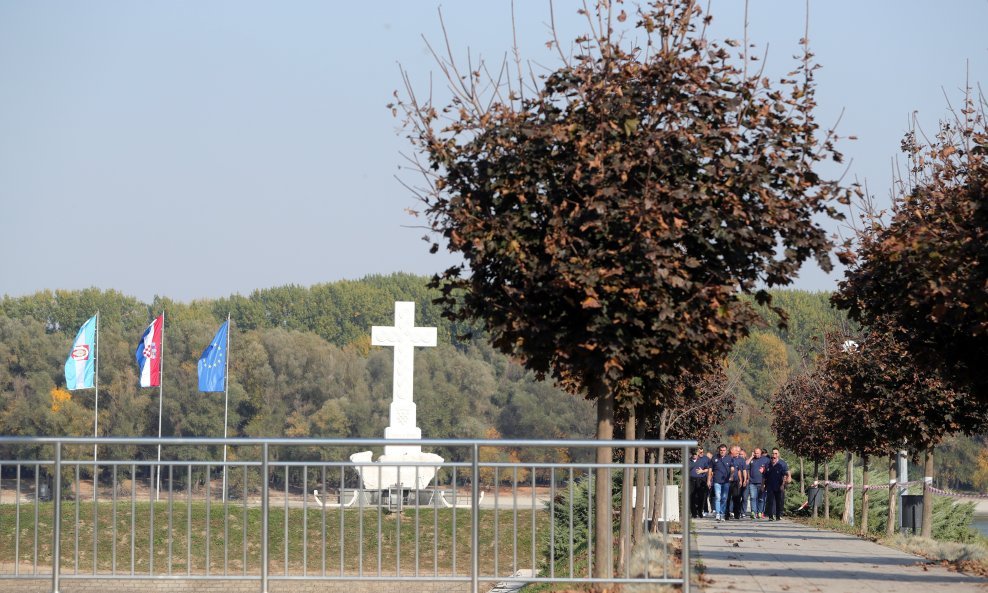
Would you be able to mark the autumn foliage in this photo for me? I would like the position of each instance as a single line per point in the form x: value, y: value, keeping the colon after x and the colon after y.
x: 610, y: 220
x: 927, y: 268
x: 612, y: 211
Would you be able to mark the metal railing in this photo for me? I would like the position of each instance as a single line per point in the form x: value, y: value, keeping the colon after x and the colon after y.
x: 289, y: 509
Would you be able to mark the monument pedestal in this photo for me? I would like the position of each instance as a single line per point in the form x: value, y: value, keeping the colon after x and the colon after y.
x: 406, y: 470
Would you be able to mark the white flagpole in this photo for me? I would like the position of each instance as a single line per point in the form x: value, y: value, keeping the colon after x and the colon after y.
x: 161, y: 394
x: 226, y: 400
x: 96, y: 403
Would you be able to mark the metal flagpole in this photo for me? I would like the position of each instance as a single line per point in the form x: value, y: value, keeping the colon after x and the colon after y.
x: 96, y: 403
x: 226, y: 400
x: 161, y: 393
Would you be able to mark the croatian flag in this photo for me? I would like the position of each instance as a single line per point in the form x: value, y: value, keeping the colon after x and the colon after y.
x: 80, y: 366
x: 148, y: 353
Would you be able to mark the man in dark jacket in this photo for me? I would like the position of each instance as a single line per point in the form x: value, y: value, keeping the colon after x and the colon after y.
x: 776, y: 477
x: 719, y: 479
x: 699, y: 468
x: 738, y: 481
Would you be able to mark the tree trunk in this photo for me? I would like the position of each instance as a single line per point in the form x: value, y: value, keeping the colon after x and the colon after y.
x: 928, y: 494
x: 603, y: 531
x: 826, y: 490
x: 893, y: 493
x: 658, y: 499
x: 640, y: 497
x: 864, y: 494
x: 802, y: 472
x: 848, y: 517
x: 624, y: 545
x: 816, y: 476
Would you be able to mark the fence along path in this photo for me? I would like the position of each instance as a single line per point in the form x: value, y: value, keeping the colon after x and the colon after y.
x: 768, y: 557
x: 267, y: 528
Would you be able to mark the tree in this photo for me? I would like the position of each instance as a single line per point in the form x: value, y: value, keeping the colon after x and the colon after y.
x: 799, y: 417
x: 612, y: 216
x: 927, y: 268
x: 883, y: 400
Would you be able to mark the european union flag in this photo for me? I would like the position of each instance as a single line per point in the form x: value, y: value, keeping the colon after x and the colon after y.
x: 212, y: 363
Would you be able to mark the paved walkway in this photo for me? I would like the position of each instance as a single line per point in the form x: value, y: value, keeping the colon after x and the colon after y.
x: 768, y: 556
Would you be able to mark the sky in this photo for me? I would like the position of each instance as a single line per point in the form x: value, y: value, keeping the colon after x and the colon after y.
x: 195, y: 149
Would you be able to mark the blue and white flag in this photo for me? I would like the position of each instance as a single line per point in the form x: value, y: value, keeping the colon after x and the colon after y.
x: 212, y: 363
x: 80, y: 367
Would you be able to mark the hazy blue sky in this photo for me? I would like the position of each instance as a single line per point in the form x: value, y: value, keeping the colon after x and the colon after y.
x: 202, y: 148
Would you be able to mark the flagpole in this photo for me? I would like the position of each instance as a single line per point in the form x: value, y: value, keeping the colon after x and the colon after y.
x: 226, y: 401
x: 161, y: 395
x: 96, y: 400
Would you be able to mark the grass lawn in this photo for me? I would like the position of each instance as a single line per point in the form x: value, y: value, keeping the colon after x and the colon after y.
x: 436, y: 541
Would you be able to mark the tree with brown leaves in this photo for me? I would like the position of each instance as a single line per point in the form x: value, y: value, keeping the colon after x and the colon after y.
x: 927, y: 268
x: 882, y: 400
x: 612, y: 211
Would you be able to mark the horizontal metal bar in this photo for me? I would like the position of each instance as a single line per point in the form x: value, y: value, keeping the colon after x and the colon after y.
x: 616, y: 465
x: 286, y: 442
x: 351, y: 578
x: 132, y: 577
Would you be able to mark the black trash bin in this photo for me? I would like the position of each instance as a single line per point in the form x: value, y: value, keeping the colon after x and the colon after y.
x: 912, y: 512
x: 813, y: 496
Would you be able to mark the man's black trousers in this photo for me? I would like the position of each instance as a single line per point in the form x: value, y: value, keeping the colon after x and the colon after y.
x: 774, y: 505
x: 698, y: 496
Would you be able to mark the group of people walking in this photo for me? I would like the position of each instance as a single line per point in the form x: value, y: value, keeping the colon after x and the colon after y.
x: 734, y: 485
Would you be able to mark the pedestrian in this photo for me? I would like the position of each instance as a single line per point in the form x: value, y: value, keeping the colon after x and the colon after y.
x: 719, y: 480
x: 738, y: 480
x: 711, y: 505
x: 699, y: 468
x: 756, y: 483
x: 777, y: 475
x: 745, y: 506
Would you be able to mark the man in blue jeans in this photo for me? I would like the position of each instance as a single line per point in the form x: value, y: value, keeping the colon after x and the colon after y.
x: 756, y: 483
x: 720, y: 477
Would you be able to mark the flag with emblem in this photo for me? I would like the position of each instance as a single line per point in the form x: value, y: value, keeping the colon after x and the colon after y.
x: 149, y: 352
x: 212, y: 363
x: 80, y: 367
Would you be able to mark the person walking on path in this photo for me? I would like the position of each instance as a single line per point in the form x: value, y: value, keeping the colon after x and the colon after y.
x: 719, y: 480
x: 776, y: 477
x: 699, y: 468
x: 745, y: 508
x: 738, y: 481
x: 756, y: 483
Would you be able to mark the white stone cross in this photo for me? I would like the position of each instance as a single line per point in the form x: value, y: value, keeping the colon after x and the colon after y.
x: 404, y: 337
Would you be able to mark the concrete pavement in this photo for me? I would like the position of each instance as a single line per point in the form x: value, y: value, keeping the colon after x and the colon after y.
x: 776, y: 556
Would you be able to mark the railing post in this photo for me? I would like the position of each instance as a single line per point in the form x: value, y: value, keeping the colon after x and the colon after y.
x: 475, y: 520
x: 685, y: 522
x: 56, y: 544
x: 265, y: 480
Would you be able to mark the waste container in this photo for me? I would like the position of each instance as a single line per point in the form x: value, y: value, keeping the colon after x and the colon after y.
x: 912, y: 512
x: 44, y: 492
x: 813, y: 496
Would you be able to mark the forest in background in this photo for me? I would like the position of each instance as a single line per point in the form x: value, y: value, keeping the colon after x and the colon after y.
x: 302, y: 365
